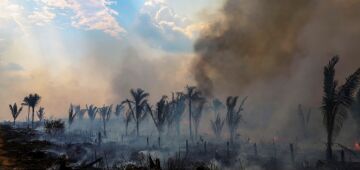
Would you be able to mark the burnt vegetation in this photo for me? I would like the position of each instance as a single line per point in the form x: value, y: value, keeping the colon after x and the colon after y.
x: 188, y: 130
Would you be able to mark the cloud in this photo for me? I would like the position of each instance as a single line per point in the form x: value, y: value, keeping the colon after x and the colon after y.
x: 90, y: 15
x: 9, y: 10
x: 164, y: 29
x: 42, y: 17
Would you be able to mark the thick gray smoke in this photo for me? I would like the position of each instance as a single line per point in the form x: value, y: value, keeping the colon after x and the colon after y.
x: 260, y: 39
x: 274, y: 51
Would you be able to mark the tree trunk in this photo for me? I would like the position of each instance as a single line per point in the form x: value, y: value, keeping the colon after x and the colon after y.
x: 14, y: 122
x: 329, y: 147
x: 28, y: 117
x: 104, y: 128
x: 190, y: 122
x: 126, y: 128
x: 178, y: 128
x: 32, y: 118
x: 137, y: 128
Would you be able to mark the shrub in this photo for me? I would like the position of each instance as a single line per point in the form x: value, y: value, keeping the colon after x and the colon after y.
x: 54, y: 126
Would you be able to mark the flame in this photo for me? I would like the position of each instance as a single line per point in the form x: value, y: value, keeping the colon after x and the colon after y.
x: 357, y: 146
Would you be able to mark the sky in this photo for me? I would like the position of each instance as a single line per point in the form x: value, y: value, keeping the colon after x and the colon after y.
x: 94, y: 51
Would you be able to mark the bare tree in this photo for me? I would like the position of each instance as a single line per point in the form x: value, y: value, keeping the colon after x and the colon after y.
x: 336, y: 102
x: 139, y: 102
x: 15, y: 111
x: 191, y: 94
x: 217, y: 126
x: 105, y: 112
x: 40, y: 114
x: 159, y: 114
x: 233, y: 116
x: 197, y: 113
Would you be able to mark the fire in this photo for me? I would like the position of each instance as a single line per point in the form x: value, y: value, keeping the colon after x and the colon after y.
x: 357, y: 146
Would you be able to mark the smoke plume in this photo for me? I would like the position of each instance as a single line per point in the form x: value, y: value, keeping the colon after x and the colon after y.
x: 261, y: 39
x: 274, y: 51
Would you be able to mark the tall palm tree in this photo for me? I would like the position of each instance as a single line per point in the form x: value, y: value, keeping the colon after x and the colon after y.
x: 336, y: 102
x: 26, y: 102
x: 177, y: 108
x: 34, y: 100
x: 15, y: 111
x: 233, y: 116
x: 92, y: 110
x: 356, y: 112
x: 191, y: 94
x: 197, y: 113
x: 160, y: 114
x: 139, y: 102
x: 105, y: 112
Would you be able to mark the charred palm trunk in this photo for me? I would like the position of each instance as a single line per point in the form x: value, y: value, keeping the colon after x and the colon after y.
x: 329, y: 155
x: 32, y: 117
x: 28, y: 117
x: 190, y: 122
x: 178, y: 128
x: 329, y: 147
x: 126, y: 128
x: 137, y: 128
x: 104, y: 123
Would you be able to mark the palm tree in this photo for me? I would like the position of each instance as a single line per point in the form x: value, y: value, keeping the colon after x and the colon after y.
x: 81, y: 114
x: 197, y: 113
x: 72, y: 114
x: 118, y: 110
x: 26, y: 102
x: 139, y: 101
x: 15, y: 111
x: 356, y: 112
x: 233, y: 116
x: 160, y: 114
x: 336, y: 102
x: 192, y: 94
x: 177, y: 108
x: 127, y: 119
x: 40, y: 114
x: 33, y: 101
x: 217, y: 126
x: 217, y: 105
x: 105, y: 112
x: 92, y: 110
